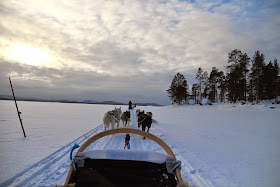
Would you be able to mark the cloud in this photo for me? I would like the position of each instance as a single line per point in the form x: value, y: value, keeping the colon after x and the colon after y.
x: 74, y: 84
x: 125, y: 49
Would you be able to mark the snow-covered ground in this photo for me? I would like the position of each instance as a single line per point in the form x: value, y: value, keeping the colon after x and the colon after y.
x: 219, y: 145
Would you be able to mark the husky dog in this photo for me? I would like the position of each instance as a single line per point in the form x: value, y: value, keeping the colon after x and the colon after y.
x: 146, y: 121
x: 151, y: 115
x: 112, y: 117
x: 125, y: 118
x: 138, y: 114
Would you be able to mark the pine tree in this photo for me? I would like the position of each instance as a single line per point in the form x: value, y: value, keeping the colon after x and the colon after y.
x: 269, y: 89
x: 213, y: 80
x: 178, y: 90
x: 195, y: 92
x: 199, y: 77
x: 222, y: 86
x: 257, y: 77
x: 244, y: 63
x: 236, y: 77
x: 217, y: 85
x: 233, y: 76
x: 276, y: 80
x: 270, y: 80
x: 205, y: 85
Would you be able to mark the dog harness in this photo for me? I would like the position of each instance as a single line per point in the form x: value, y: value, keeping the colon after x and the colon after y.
x: 112, y: 113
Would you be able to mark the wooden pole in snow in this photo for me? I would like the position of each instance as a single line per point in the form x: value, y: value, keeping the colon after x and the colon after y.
x: 17, y: 108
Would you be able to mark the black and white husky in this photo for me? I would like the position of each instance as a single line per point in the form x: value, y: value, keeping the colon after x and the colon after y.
x: 138, y: 113
x: 125, y: 118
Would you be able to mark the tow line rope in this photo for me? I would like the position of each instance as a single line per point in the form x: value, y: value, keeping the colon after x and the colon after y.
x: 113, y: 114
x: 141, y: 120
x: 137, y: 121
x: 116, y: 119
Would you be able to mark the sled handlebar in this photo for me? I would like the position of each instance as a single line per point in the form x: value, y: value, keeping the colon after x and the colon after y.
x: 125, y: 130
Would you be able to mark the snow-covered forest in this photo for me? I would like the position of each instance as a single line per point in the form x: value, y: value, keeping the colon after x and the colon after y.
x: 246, y: 79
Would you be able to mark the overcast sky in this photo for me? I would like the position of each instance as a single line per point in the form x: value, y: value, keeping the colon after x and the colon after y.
x: 125, y: 50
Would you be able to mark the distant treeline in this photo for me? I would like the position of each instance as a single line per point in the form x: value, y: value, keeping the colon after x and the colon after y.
x: 245, y: 80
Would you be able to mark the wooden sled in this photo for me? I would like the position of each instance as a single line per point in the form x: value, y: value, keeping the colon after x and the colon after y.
x: 124, y: 167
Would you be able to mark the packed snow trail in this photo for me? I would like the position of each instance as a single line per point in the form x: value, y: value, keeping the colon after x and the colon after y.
x: 47, y: 171
x: 53, y: 169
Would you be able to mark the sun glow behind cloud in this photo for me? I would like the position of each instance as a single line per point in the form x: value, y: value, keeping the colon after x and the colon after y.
x: 79, y: 44
x: 29, y: 55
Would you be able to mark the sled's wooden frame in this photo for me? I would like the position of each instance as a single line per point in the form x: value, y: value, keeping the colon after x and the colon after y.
x: 125, y: 130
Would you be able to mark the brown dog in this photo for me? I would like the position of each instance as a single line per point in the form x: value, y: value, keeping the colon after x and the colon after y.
x: 150, y: 114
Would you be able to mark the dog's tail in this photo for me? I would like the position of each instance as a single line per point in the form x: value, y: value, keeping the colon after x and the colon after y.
x: 106, y: 120
x: 154, y: 121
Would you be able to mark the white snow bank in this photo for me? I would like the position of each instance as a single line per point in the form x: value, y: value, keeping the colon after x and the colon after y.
x: 206, y: 102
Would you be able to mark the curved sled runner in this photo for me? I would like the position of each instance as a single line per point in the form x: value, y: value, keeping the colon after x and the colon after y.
x: 124, y: 167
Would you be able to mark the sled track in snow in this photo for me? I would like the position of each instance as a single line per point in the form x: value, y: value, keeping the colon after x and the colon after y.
x: 47, y: 171
x: 187, y: 171
x: 50, y: 170
x: 190, y: 173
